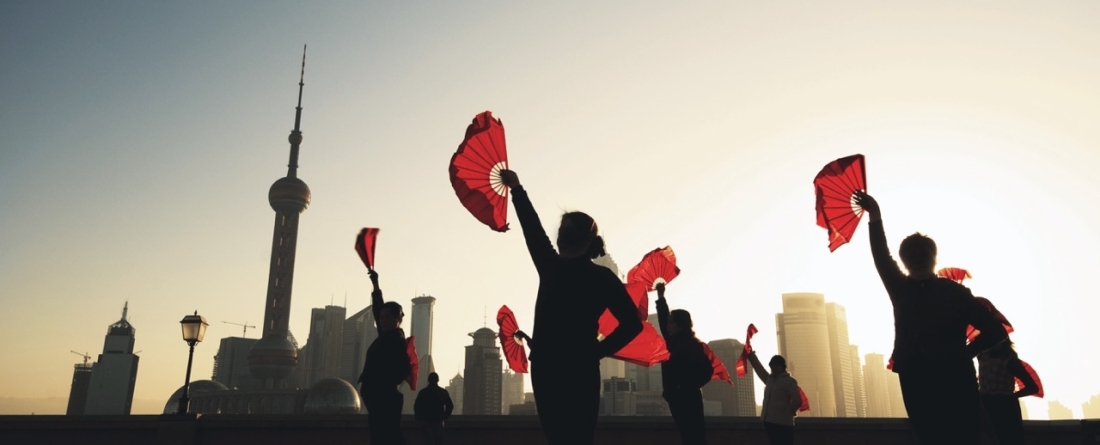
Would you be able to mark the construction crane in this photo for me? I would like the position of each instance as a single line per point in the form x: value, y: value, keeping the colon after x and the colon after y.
x: 85, y: 355
x: 244, y: 325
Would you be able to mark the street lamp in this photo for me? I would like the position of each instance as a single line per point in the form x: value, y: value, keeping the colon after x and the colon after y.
x: 194, y: 328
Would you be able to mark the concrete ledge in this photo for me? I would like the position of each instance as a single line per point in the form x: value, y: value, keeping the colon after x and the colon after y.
x: 237, y: 429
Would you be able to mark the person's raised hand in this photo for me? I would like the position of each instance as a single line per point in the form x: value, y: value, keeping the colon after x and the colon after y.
x: 868, y: 203
x: 509, y: 178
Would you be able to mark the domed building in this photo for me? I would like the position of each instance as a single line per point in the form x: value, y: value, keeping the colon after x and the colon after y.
x: 332, y: 396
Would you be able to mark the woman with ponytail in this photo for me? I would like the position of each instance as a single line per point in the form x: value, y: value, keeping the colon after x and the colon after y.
x: 573, y: 293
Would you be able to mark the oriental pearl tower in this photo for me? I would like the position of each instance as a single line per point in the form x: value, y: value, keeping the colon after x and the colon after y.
x: 272, y: 359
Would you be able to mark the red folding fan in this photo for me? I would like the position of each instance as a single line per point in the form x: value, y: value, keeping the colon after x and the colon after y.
x: 720, y: 371
x: 835, y: 187
x: 1034, y: 376
x: 972, y: 332
x: 954, y: 274
x: 648, y: 348
x: 657, y: 266
x: 414, y: 362
x: 805, y: 400
x: 364, y: 244
x: 475, y: 172
x: 742, y: 366
x: 514, y: 350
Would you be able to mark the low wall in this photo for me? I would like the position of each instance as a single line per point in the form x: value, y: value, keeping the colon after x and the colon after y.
x: 238, y: 429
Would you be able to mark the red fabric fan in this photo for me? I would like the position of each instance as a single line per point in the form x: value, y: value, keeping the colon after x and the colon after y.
x: 720, y: 371
x: 972, y: 332
x: 514, y: 351
x: 805, y: 401
x: 657, y: 266
x: 414, y: 362
x: 475, y: 172
x: 742, y: 366
x: 364, y: 244
x: 834, y: 187
x: 954, y: 274
x: 648, y: 348
x: 1034, y: 376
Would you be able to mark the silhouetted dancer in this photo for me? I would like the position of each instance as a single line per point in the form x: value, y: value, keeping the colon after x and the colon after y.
x: 433, y: 406
x: 781, y: 399
x: 998, y: 369
x: 684, y: 373
x: 573, y: 293
x: 931, y: 314
x: 386, y: 366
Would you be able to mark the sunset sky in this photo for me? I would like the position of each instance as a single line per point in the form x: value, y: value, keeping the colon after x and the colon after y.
x: 140, y: 140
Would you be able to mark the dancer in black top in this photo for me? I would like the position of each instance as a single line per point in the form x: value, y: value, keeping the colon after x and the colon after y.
x: 386, y: 366
x: 934, y: 363
x: 573, y: 293
x: 688, y: 368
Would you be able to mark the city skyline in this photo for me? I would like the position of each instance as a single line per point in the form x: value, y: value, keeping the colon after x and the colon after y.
x: 143, y: 139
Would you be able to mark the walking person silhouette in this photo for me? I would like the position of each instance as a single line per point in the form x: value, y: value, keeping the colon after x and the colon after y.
x: 685, y: 372
x: 934, y: 363
x: 433, y: 407
x: 385, y: 367
x: 573, y: 293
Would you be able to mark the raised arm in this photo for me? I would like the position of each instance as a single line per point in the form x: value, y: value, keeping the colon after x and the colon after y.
x: 538, y: 244
x: 662, y: 310
x: 761, y: 372
x: 622, y: 307
x: 376, y: 301
x: 888, y: 269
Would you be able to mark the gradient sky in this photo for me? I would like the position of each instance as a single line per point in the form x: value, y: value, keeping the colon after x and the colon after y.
x: 140, y: 141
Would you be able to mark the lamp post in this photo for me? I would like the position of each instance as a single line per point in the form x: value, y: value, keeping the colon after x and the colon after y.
x: 194, y: 328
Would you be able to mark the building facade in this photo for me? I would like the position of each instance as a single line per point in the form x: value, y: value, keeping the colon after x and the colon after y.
x: 803, y: 334
x: 111, y: 385
x: 839, y: 350
x: 739, y: 399
x: 482, y: 376
x: 231, y: 364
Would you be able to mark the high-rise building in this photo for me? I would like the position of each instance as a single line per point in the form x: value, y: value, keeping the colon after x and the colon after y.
x: 876, y: 386
x: 111, y: 385
x: 612, y: 367
x: 857, y: 382
x: 231, y: 364
x: 840, y: 350
x: 1023, y: 410
x: 803, y: 334
x: 273, y: 357
x: 421, y: 331
x: 897, y: 401
x: 511, y: 390
x: 325, y: 343
x: 1091, y: 408
x: 359, y: 332
x: 78, y: 393
x: 456, y: 387
x: 1058, y: 411
x: 482, y: 392
x: 736, y: 400
x: 619, y: 398
x: 648, y: 385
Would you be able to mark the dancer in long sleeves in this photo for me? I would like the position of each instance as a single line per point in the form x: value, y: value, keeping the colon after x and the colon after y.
x: 684, y: 373
x: 386, y: 366
x: 573, y: 293
x: 781, y: 399
x: 933, y: 361
x: 998, y: 369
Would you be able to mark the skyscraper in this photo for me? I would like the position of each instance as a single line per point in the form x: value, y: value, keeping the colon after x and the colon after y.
x: 1089, y: 409
x: 273, y: 357
x: 511, y: 390
x: 111, y: 386
x: 422, y: 320
x: 858, y: 386
x: 359, y: 332
x: 840, y: 350
x: 803, y: 334
x: 481, y: 394
x: 325, y: 343
x: 736, y: 400
x: 78, y: 393
x: 876, y: 386
x: 1057, y: 411
x: 457, y: 388
x: 897, y: 402
x: 231, y: 363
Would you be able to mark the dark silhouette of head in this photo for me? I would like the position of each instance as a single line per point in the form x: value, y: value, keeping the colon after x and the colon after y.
x: 433, y: 379
x: 679, y: 321
x: 918, y: 253
x: 778, y: 364
x: 579, y: 236
x: 391, y: 316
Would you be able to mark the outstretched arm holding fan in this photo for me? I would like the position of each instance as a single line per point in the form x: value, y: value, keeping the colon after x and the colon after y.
x: 888, y: 269
x: 538, y: 244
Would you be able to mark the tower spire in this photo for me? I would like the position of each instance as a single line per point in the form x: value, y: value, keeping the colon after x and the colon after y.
x: 125, y: 308
x: 296, y: 133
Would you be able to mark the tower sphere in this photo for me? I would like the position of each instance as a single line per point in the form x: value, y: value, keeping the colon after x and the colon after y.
x: 272, y: 357
x: 289, y: 195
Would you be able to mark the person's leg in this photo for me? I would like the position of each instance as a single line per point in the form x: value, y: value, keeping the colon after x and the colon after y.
x: 694, y: 431
x: 1005, y: 418
x: 779, y: 434
x: 943, y: 404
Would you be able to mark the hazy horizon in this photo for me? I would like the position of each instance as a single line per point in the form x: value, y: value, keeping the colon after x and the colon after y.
x: 142, y: 139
